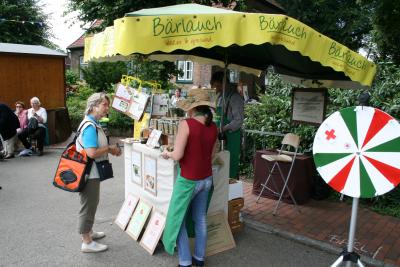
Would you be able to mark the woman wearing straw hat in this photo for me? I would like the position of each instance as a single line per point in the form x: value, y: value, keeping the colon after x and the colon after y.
x: 194, y: 147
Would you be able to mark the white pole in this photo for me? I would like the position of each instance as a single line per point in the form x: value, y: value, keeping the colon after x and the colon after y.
x: 352, y: 230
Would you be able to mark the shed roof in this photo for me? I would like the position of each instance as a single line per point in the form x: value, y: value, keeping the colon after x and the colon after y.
x: 29, y: 49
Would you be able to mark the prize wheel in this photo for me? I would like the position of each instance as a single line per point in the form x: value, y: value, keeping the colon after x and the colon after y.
x: 357, y: 152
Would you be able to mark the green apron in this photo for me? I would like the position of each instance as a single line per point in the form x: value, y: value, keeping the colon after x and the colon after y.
x: 178, y: 206
x: 233, y: 140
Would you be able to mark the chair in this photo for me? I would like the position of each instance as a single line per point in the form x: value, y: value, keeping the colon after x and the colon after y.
x: 289, y: 141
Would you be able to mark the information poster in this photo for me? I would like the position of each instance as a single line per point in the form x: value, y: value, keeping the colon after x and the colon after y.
x: 138, y: 219
x: 309, y: 105
x: 138, y: 104
x: 153, y: 232
x: 150, y: 175
x: 126, y: 211
x: 136, y: 167
x: 123, y: 92
x: 120, y: 104
x: 154, y: 138
x: 160, y: 104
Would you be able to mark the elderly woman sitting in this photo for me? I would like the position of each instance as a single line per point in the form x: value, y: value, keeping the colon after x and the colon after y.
x: 39, y: 133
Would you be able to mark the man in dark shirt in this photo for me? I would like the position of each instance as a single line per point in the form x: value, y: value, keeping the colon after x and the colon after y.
x: 232, y: 116
x: 9, y: 124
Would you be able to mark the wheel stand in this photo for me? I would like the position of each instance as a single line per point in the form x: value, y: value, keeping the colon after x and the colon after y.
x: 348, y: 255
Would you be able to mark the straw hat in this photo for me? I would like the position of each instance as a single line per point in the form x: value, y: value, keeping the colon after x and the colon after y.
x: 196, y: 97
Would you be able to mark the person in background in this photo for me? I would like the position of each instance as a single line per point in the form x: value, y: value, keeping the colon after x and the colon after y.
x: 40, y: 114
x: 94, y: 141
x: 194, y: 149
x: 8, y: 130
x: 232, y: 120
x: 22, y: 115
x: 176, y: 97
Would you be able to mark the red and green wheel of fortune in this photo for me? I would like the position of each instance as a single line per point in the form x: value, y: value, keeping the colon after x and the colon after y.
x: 357, y: 152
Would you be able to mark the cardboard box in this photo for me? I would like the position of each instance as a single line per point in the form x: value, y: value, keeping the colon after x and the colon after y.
x: 235, y: 189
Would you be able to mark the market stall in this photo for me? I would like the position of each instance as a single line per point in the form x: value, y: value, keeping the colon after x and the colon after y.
x: 249, y: 42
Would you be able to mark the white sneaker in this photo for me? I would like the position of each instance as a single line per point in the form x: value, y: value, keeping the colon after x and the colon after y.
x: 98, y: 235
x: 93, y: 247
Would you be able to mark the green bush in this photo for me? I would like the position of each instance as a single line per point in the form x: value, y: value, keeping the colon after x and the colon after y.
x: 71, y: 77
x: 101, y: 76
x: 76, y: 103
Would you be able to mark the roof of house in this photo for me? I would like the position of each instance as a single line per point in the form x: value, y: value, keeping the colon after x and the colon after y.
x: 80, y: 42
x: 29, y: 49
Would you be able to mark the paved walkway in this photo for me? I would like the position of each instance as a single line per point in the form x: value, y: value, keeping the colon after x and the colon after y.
x: 377, y: 236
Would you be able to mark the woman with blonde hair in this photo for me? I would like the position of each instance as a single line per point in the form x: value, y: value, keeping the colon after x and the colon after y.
x: 94, y: 141
x: 38, y: 113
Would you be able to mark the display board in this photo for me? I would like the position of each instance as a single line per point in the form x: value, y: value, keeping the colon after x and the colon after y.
x: 126, y: 211
x: 309, y: 105
x: 138, y: 219
x: 153, y: 232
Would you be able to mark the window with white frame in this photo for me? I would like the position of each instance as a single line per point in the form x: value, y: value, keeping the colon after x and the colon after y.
x: 82, y: 65
x: 186, y: 69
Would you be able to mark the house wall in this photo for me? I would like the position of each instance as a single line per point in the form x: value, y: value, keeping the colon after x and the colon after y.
x: 201, y: 77
x: 75, y: 54
x: 24, y: 76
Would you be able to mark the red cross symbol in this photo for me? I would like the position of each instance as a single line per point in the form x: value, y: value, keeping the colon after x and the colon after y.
x: 330, y: 134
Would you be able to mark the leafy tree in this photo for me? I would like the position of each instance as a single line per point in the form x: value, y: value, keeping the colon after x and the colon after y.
x: 386, y: 33
x: 23, y: 22
x: 147, y: 70
x: 108, y: 11
x: 102, y: 75
x: 342, y: 20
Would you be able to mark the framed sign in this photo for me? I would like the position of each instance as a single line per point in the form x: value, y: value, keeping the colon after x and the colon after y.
x: 150, y: 175
x: 160, y: 104
x: 138, y: 104
x: 136, y: 167
x: 120, y: 104
x: 153, y: 138
x: 126, y: 211
x: 138, y: 219
x: 309, y: 105
x: 153, y: 232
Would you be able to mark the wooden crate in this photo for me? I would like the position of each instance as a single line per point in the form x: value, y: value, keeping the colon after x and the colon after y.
x: 234, y: 207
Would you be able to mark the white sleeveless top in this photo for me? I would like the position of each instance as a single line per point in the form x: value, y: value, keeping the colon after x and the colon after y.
x: 101, y: 141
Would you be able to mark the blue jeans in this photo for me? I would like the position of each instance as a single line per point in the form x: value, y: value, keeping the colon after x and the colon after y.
x: 199, y: 214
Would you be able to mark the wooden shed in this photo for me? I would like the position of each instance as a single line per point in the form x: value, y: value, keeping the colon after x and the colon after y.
x: 31, y: 70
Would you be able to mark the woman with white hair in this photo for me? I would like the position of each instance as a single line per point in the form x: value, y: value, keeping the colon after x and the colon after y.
x: 38, y: 113
x: 94, y: 141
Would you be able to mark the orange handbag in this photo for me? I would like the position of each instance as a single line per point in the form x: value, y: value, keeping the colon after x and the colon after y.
x: 73, y: 168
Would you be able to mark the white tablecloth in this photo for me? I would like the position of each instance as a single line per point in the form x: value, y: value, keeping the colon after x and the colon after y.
x: 166, y: 175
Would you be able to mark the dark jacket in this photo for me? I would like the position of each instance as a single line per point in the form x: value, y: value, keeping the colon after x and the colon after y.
x: 9, y: 122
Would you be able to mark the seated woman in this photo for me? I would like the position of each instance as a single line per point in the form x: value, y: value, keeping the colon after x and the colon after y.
x: 38, y: 133
x: 22, y: 115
